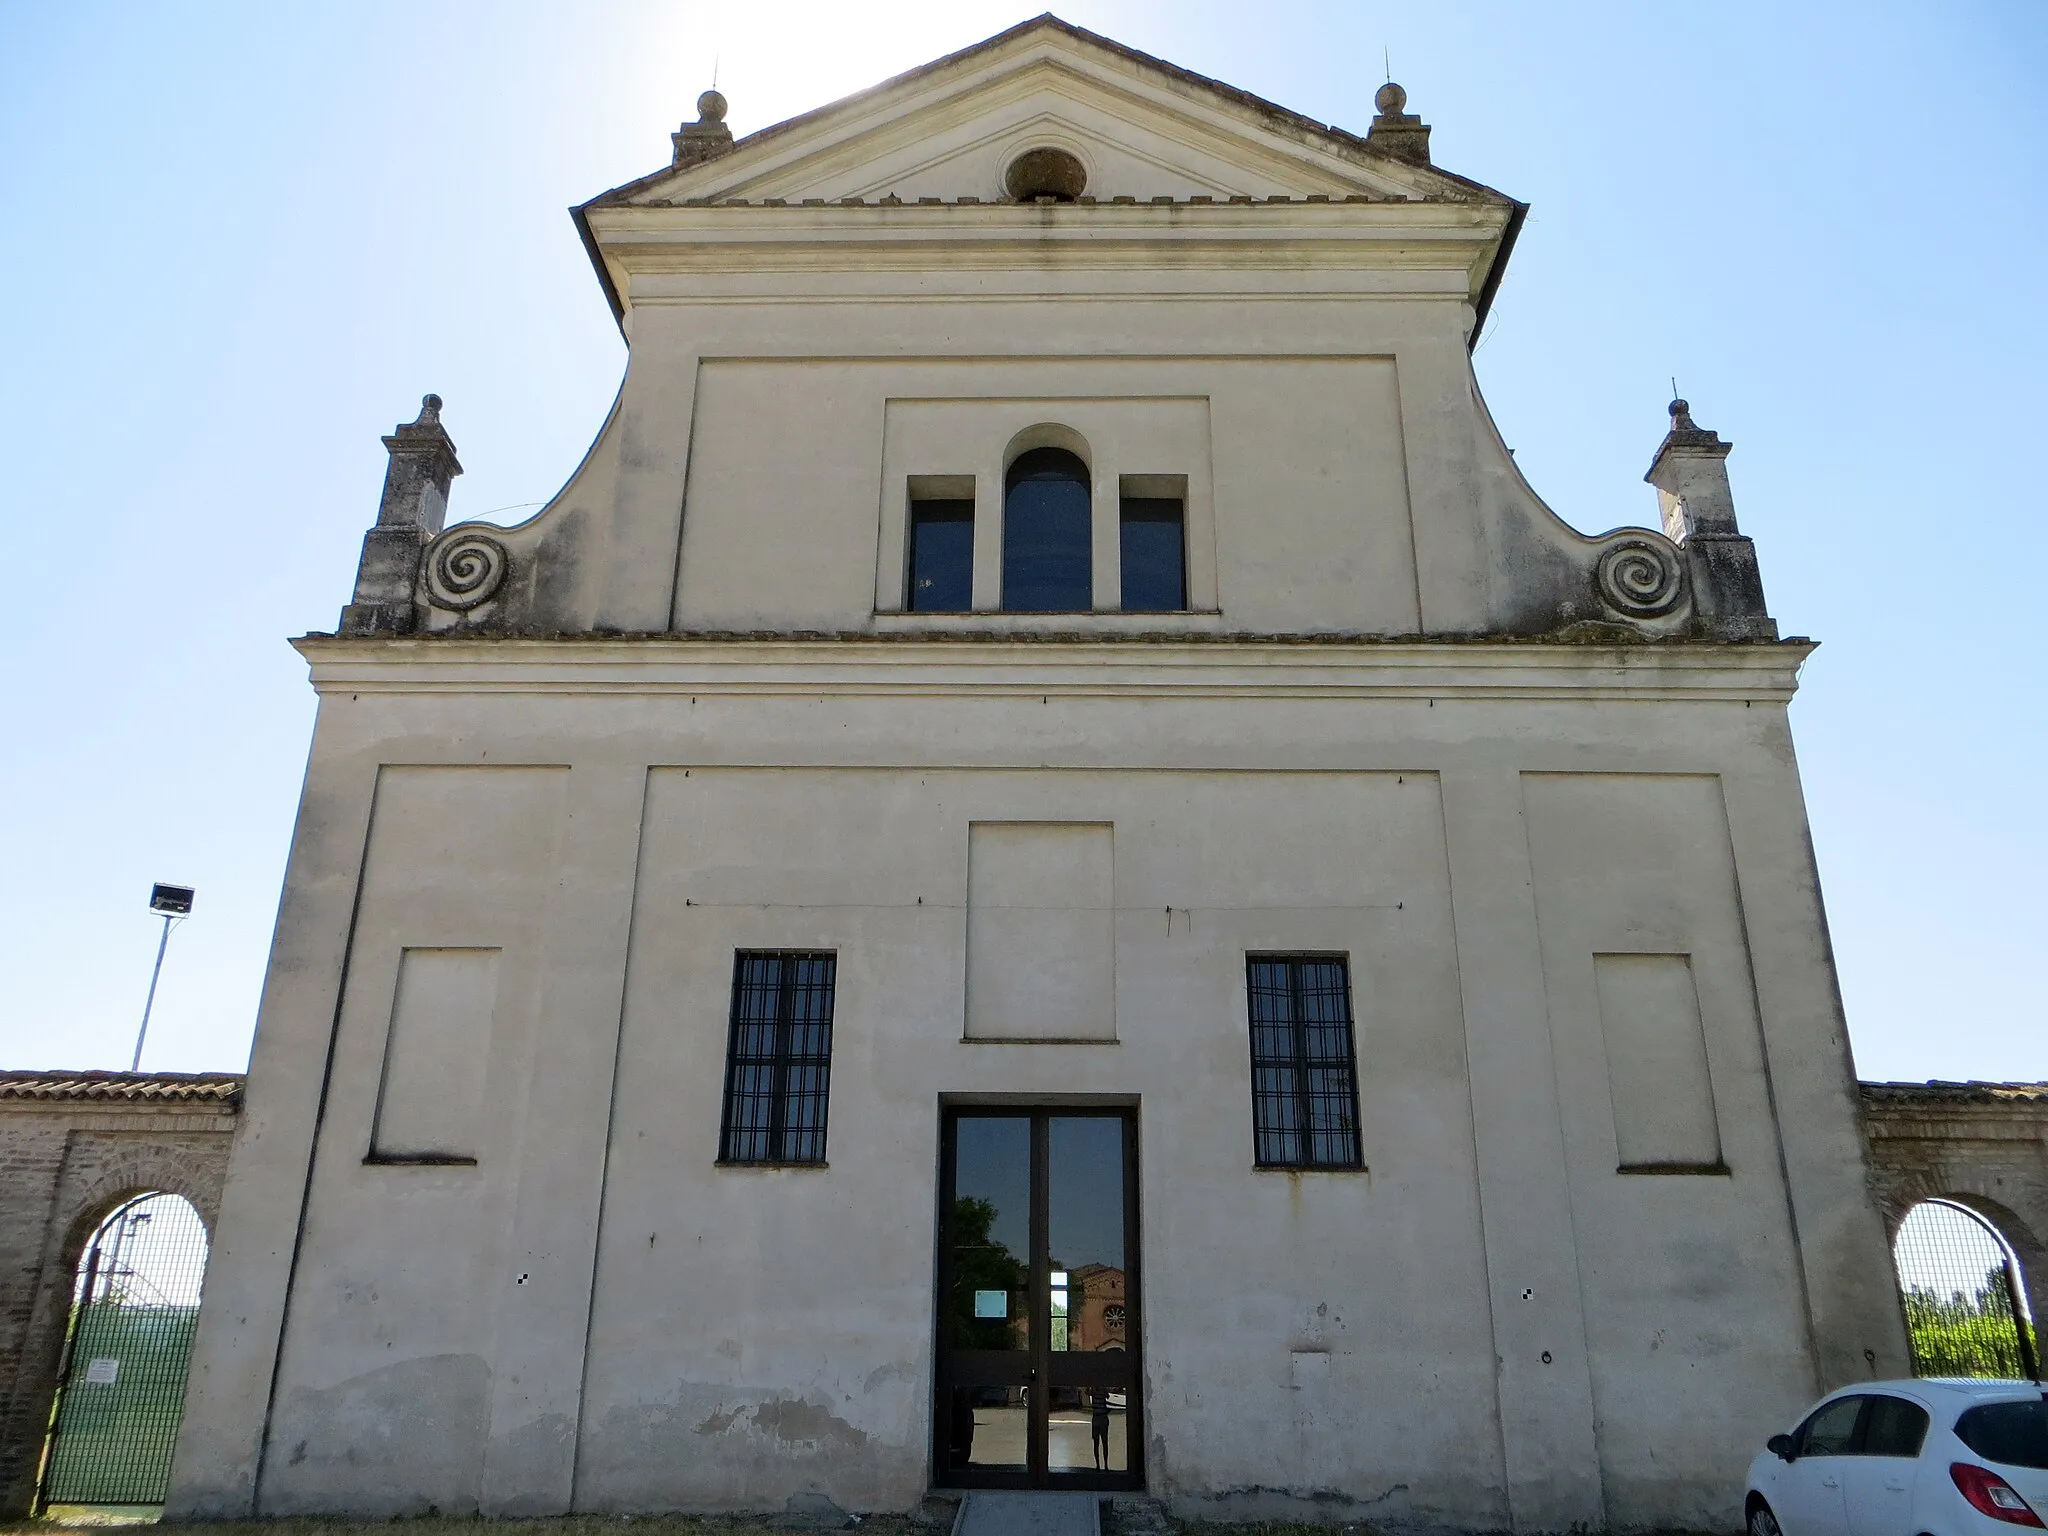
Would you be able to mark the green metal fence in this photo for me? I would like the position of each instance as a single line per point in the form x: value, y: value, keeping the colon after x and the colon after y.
x: 1965, y: 1306
x: 122, y: 1392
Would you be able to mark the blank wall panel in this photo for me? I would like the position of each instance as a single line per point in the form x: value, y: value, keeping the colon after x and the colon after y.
x: 441, y: 1002
x: 1656, y: 1062
x: 430, y: 1101
x: 1041, y: 931
x: 1659, y: 1070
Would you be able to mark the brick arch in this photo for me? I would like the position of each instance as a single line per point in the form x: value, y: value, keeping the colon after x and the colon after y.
x: 2025, y: 1243
x: 142, y: 1170
x: 1983, y: 1146
x: 75, y: 1146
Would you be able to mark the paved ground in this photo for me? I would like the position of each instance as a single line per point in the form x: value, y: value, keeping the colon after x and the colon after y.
x: 1030, y: 1514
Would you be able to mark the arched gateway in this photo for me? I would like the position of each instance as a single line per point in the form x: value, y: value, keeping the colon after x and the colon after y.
x: 1960, y: 1172
x: 128, y: 1343
x: 85, y: 1154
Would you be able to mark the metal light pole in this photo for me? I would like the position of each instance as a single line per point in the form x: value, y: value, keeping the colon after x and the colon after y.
x: 174, y: 902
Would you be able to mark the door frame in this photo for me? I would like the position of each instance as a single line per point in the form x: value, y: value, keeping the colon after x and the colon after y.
x: 1040, y: 1109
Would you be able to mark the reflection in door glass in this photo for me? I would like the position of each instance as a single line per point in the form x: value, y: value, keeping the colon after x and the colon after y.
x: 996, y: 1423
x: 987, y: 1305
x: 1085, y: 1231
x: 1085, y: 1431
x: 1085, y: 1235
x: 991, y: 1234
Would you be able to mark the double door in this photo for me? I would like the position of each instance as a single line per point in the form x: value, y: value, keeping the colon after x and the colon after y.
x: 1038, y: 1327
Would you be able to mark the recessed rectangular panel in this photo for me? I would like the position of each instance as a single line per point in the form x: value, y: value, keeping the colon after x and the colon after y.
x: 1656, y: 1062
x: 1041, y: 935
x: 430, y: 1102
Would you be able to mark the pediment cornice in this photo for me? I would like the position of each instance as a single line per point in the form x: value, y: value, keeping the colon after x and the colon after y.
x: 1182, y: 170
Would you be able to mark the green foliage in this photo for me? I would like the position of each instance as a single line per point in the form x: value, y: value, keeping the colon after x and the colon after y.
x: 1966, y: 1334
x: 980, y: 1263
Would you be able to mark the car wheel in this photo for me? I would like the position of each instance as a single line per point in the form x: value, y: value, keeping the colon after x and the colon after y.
x: 1762, y: 1522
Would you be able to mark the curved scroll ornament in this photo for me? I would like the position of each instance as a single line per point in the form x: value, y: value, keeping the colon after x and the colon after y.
x: 465, y: 569
x: 1640, y: 577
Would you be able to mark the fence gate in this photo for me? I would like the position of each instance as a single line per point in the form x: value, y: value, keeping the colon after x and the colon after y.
x: 1966, y: 1312
x: 121, y: 1390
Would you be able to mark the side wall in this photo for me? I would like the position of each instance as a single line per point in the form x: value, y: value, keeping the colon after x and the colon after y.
x: 71, y: 1149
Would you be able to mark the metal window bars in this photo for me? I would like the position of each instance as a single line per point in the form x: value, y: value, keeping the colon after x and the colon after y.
x: 778, y: 1067
x: 1304, y: 1071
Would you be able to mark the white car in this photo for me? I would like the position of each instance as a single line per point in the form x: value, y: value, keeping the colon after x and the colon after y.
x: 1907, y: 1458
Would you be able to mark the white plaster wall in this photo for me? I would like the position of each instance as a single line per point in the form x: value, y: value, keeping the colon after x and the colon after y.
x: 1298, y: 515
x: 389, y: 1356
x: 753, y: 1333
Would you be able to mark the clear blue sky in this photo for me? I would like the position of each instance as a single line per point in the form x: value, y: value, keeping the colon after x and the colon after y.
x: 238, y: 241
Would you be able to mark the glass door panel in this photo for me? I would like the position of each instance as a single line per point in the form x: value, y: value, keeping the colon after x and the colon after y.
x: 1038, y: 1337
x: 1090, y: 1380
x: 985, y: 1330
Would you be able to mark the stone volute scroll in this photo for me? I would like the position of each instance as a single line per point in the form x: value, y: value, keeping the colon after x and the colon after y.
x: 1641, y: 578
x: 464, y: 568
x: 414, y: 505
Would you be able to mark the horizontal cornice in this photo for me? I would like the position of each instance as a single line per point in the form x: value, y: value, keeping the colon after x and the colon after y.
x: 1455, y: 238
x: 1178, y: 665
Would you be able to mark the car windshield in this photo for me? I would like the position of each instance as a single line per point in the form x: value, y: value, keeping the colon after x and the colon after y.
x: 2013, y: 1433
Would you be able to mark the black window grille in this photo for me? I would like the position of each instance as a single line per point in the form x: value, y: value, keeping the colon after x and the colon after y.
x: 778, y: 1064
x: 1304, y: 1072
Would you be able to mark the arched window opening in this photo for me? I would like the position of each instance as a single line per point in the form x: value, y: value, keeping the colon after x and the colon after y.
x: 128, y: 1344
x: 1964, y: 1297
x: 1047, y: 535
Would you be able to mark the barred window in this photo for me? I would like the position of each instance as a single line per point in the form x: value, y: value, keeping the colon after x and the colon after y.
x: 1304, y: 1073
x: 778, y: 1064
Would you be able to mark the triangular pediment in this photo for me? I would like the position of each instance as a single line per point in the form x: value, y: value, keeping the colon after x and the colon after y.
x: 1142, y: 128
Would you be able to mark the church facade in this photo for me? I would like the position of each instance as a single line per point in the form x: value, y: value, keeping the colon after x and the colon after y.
x: 1045, y: 871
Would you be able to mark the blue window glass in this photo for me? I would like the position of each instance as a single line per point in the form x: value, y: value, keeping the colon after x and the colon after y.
x: 941, y: 556
x: 1047, y: 542
x: 1154, y: 555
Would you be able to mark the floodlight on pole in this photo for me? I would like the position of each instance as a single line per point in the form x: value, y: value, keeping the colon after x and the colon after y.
x: 174, y: 904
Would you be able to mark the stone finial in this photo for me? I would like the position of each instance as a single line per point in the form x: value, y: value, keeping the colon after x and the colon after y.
x: 422, y: 465
x: 708, y: 137
x: 1397, y: 131
x: 1690, y: 473
x: 414, y: 506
